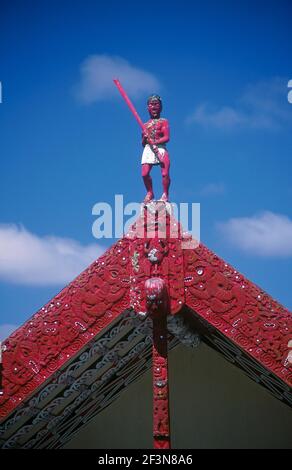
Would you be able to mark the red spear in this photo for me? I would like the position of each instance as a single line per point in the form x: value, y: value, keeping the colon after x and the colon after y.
x: 129, y: 103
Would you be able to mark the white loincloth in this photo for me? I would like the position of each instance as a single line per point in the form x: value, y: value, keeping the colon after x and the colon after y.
x: 149, y: 156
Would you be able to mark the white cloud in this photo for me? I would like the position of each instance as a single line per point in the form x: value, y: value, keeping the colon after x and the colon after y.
x: 266, y: 234
x: 26, y: 258
x: 213, y: 189
x: 222, y: 118
x: 6, y: 329
x: 262, y: 105
x: 98, y: 72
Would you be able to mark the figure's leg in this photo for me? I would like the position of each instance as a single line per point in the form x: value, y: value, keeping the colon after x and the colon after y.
x: 165, y: 165
x: 146, y: 168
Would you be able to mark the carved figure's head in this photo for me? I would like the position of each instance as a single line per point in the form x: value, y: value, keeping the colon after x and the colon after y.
x: 154, y: 105
x: 155, y: 250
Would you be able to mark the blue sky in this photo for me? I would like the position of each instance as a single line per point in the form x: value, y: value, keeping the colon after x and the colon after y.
x: 68, y: 141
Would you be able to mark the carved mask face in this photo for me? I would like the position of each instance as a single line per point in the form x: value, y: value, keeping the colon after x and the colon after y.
x: 154, y: 108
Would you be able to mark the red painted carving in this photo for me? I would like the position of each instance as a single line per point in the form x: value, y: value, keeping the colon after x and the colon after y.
x: 289, y: 357
x: 157, y: 307
x: 154, y: 139
x: 241, y: 311
x: 63, y: 326
x: 155, y: 135
x: 156, y: 251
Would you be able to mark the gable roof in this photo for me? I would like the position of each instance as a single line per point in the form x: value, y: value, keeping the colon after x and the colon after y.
x: 239, y: 314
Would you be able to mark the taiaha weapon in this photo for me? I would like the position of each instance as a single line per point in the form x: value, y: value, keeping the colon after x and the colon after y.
x: 134, y: 112
x: 129, y: 103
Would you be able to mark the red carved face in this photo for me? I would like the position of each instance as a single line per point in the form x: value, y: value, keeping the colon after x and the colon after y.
x: 154, y: 108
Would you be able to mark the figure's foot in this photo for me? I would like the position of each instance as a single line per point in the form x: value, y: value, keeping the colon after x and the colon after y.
x: 149, y: 197
x: 164, y: 197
